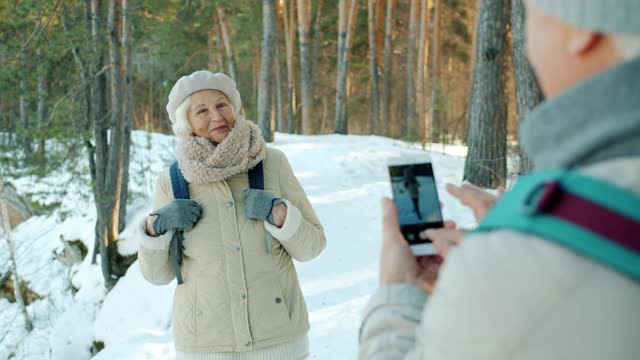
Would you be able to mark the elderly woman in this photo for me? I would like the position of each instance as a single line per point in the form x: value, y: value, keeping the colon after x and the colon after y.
x: 240, y: 297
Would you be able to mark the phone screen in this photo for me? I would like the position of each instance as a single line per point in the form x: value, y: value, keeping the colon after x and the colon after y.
x: 416, y: 197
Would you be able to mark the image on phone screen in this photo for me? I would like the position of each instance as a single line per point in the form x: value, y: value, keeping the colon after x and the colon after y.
x: 416, y: 197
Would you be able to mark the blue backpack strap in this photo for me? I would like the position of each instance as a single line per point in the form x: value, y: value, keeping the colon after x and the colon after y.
x: 587, y: 215
x: 256, y: 177
x: 256, y: 181
x: 180, y: 189
x: 178, y: 182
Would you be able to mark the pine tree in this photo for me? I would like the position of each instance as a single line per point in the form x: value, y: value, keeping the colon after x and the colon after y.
x: 266, y: 68
x: 486, y: 163
x: 528, y: 93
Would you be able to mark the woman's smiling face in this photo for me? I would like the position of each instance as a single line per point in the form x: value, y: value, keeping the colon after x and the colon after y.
x: 211, y: 115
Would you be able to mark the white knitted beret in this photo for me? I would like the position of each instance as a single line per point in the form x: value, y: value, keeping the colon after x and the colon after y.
x: 202, y: 80
x: 605, y: 16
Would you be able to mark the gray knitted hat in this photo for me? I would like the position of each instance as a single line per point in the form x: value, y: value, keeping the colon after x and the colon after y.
x: 604, y: 16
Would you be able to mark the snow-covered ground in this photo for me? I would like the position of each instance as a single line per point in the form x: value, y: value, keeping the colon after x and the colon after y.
x: 344, y: 177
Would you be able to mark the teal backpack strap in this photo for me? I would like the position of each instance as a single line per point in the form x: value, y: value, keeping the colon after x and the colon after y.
x: 587, y: 215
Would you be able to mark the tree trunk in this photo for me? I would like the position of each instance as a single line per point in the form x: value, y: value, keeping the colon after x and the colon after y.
x: 12, y: 258
x: 272, y: 100
x: 316, y: 46
x: 127, y: 115
x: 386, y: 84
x: 473, y: 56
x: 266, y: 68
x: 219, y: 45
x: 101, y: 128
x: 350, y: 34
x: 24, y: 130
x: 110, y: 199
x: 341, y: 121
x: 279, y: 121
x: 486, y: 163
x: 305, y: 68
x: 42, y: 107
x: 374, y: 102
x: 420, y: 78
x: 323, y: 120
x: 410, y: 104
x: 255, y: 77
x: 231, y: 61
x: 380, y: 23
x: 342, y: 38
x: 149, y: 126
x: 528, y: 93
x: 345, y: 104
x: 98, y: 115
x: 289, y: 30
x: 111, y: 204
x: 436, y: 101
x: 278, y: 61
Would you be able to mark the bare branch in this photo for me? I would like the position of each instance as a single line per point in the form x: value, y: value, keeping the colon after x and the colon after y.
x: 46, y: 25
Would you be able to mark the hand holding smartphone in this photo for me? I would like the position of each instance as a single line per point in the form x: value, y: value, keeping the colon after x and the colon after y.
x: 416, y: 197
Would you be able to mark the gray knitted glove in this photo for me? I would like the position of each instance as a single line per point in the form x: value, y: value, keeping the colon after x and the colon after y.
x: 178, y: 214
x: 258, y: 204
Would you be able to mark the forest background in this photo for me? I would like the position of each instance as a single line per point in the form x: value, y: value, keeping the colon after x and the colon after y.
x: 77, y: 76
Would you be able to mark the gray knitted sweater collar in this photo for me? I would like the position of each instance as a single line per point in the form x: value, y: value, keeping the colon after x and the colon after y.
x: 594, y: 121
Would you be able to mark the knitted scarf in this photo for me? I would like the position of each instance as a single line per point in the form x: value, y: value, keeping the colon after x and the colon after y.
x: 203, y: 162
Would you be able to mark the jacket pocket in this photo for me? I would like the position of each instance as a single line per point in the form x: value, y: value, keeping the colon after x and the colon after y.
x: 268, y: 309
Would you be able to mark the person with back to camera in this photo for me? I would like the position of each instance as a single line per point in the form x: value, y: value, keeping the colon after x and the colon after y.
x: 238, y: 295
x: 553, y: 269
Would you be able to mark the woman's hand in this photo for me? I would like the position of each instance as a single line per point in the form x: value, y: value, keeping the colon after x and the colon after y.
x: 450, y: 236
x: 444, y: 239
x: 150, y: 220
x: 279, y: 213
x: 397, y: 262
x: 263, y: 205
x: 475, y: 198
x: 178, y: 214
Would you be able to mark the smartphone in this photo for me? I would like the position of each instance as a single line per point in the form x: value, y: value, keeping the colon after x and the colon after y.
x: 414, y: 191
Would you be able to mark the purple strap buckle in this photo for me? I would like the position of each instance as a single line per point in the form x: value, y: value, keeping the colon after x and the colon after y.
x: 542, y: 197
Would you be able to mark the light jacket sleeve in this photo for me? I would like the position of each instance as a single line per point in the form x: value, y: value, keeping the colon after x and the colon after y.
x: 458, y: 321
x: 153, y: 252
x: 301, y: 234
x: 391, y: 319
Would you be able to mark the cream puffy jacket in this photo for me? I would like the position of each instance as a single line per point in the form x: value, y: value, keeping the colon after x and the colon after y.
x: 236, y: 296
